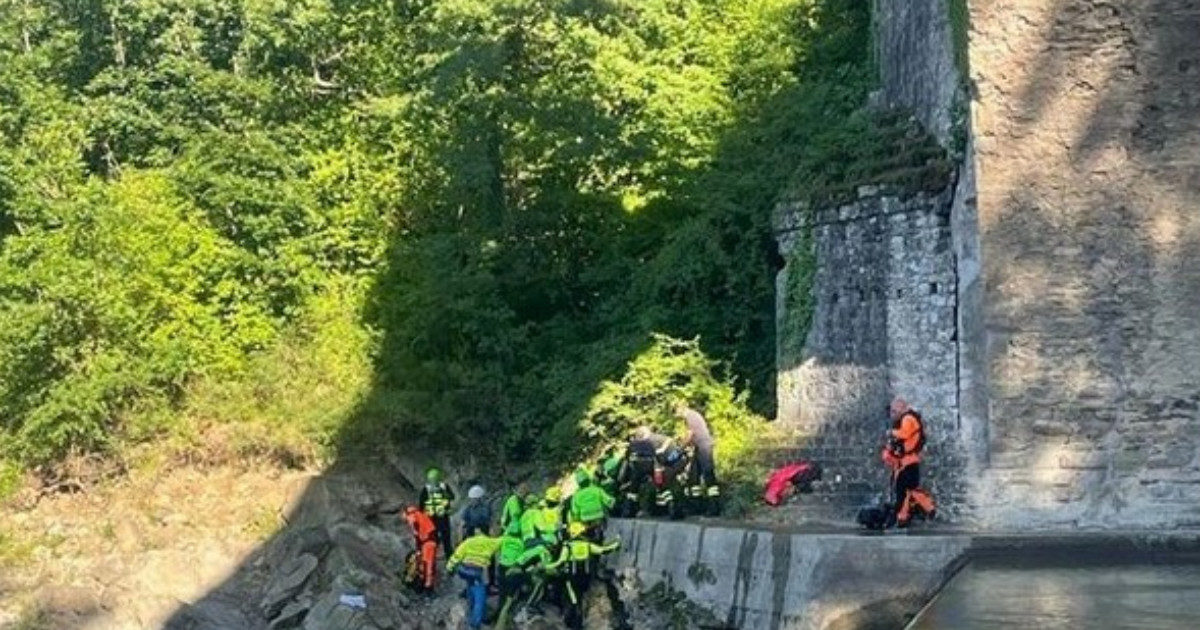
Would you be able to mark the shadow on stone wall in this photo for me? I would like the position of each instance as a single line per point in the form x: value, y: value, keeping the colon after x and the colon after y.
x: 1090, y: 181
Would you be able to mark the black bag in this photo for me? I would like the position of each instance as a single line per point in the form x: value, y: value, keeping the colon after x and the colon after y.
x: 875, y: 517
x: 672, y: 457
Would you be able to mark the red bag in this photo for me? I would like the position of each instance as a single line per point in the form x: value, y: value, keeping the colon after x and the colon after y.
x: 798, y: 475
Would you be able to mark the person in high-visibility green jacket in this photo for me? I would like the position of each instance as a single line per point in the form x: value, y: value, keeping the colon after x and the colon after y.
x: 528, y: 523
x: 608, y: 470
x: 577, y: 565
x: 590, y: 505
x: 470, y: 562
x: 516, y: 563
x: 550, y: 517
x: 514, y: 506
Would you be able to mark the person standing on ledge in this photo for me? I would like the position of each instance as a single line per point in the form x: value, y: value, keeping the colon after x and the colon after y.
x: 703, y: 488
x: 436, y: 499
x: 906, y: 441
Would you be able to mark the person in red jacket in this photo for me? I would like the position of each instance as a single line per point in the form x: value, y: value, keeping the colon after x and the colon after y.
x: 906, y: 441
x: 425, y: 532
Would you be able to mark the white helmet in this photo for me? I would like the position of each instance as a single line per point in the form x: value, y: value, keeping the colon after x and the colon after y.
x: 476, y: 492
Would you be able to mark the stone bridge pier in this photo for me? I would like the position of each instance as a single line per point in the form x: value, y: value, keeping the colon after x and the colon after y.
x: 1043, y: 310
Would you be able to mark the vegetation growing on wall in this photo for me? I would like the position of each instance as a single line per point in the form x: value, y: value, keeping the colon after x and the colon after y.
x: 887, y: 149
x: 798, y: 305
x: 294, y: 228
x: 960, y: 24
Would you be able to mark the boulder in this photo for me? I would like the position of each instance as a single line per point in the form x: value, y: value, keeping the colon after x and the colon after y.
x: 296, y: 541
x: 286, y: 583
x: 291, y: 616
x: 329, y: 613
x: 388, y: 548
x: 365, y: 552
x: 216, y: 612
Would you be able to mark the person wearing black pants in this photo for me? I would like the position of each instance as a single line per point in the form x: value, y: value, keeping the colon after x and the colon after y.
x: 436, y: 500
x: 703, y: 488
x: 907, y: 479
x: 903, y: 454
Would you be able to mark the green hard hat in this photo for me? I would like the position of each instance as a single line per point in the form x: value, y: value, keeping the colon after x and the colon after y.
x: 433, y: 475
x: 583, y: 476
x: 532, y: 499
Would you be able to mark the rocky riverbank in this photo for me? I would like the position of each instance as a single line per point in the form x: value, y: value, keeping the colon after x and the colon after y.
x: 231, y: 548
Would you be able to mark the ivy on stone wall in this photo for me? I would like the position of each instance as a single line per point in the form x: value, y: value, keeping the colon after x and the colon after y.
x: 960, y: 23
x: 797, y: 313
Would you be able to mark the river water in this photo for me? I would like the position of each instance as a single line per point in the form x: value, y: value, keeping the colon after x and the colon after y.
x: 988, y: 596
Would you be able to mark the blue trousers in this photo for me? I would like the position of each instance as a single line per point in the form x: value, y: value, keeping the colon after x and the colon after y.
x: 476, y: 593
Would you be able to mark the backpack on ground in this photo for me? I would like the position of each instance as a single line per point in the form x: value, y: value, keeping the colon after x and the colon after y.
x: 876, y: 517
x: 411, y: 574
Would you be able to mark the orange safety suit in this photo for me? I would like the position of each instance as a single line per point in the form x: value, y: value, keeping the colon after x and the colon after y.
x: 904, y: 457
x: 425, y: 531
x: 908, y: 436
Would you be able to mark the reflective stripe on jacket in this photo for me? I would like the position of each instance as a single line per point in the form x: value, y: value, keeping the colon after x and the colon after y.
x: 435, y: 500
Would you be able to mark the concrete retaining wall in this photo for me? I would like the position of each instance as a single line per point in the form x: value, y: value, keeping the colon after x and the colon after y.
x: 760, y: 579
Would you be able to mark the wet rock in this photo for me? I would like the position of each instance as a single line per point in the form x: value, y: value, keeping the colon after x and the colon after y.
x: 287, y: 582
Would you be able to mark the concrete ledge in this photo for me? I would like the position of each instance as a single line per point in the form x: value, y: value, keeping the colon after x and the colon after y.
x: 755, y: 577
x: 767, y: 579
x: 1088, y: 547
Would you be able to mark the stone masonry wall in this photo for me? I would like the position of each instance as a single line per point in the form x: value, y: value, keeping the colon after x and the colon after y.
x: 1087, y: 124
x: 883, y: 324
x: 914, y: 51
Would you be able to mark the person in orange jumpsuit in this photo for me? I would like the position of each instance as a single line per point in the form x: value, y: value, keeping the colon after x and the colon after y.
x: 903, y: 455
x: 425, y: 532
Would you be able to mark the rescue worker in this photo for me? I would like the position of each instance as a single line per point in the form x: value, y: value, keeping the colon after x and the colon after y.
x: 470, y: 562
x: 517, y: 566
x: 577, y: 565
x: 514, y: 506
x: 477, y: 517
x: 590, y: 506
x: 906, y: 441
x: 425, y: 533
x: 528, y: 524
x: 643, y: 454
x: 436, y: 500
x: 510, y: 571
x: 703, y: 489
x: 550, y: 517
x: 608, y: 470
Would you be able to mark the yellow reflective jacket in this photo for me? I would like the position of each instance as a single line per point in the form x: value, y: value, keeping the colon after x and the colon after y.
x: 476, y: 550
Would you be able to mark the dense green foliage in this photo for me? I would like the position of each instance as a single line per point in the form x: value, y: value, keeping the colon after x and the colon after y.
x: 668, y: 372
x: 287, y: 224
